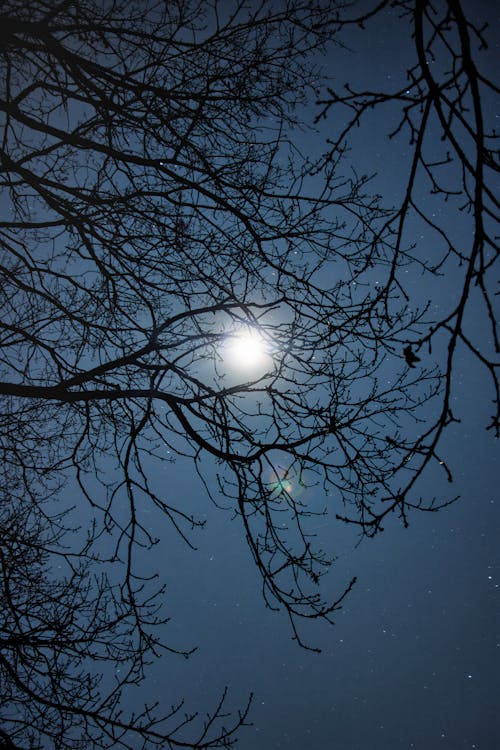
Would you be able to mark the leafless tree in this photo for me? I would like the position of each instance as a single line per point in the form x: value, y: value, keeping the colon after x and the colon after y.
x: 152, y: 203
x: 441, y: 109
x: 157, y: 210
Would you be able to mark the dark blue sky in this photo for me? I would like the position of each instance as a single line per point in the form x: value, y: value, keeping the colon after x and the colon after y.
x: 413, y: 660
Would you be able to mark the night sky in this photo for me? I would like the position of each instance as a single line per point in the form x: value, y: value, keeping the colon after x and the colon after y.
x: 413, y: 660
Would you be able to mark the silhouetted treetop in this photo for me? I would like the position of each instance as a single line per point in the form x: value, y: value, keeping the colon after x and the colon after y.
x: 188, y: 270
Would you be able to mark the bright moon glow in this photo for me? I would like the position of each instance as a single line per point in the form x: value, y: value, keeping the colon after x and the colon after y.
x: 246, y: 351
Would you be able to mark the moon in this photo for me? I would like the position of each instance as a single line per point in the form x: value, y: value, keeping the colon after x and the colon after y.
x: 246, y: 352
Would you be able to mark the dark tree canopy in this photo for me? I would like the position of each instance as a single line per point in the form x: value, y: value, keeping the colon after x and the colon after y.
x: 156, y: 210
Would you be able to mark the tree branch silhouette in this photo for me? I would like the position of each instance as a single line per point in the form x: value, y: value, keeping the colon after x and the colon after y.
x: 156, y: 205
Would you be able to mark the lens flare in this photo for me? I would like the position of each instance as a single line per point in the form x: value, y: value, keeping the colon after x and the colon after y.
x: 285, y: 483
